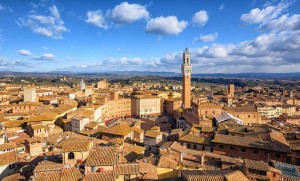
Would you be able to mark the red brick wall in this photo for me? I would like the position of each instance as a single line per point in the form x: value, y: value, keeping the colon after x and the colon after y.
x: 249, y: 153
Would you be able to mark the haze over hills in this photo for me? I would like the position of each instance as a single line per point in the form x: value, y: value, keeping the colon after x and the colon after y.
x: 294, y: 75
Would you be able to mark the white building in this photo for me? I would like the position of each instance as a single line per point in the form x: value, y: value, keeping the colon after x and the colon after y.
x: 79, y: 123
x: 148, y: 105
x: 29, y: 94
x: 269, y: 111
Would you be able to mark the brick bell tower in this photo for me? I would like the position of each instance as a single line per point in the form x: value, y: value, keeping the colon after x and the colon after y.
x: 186, y: 69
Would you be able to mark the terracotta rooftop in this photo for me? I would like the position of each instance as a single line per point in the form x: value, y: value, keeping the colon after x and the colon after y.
x: 45, y: 166
x: 8, y: 158
x: 76, y: 146
x: 128, y: 169
x: 82, y: 112
x: 251, y: 142
x: 205, y: 175
x: 120, y: 129
x: 13, y: 123
x: 46, y: 116
x: 48, y: 176
x: 92, y: 125
x: 148, y: 171
x: 152, y: 134
x: 36, y: 127
x: 173, y: 145
x: 223, y: 158
x: 134, y: 148
x: 100, y: 176
x: 102, y: 156
x: 236, y: 176
x: 256, y: 165
x: 34, y: 139
x: 247, y: 108
x: 196, y: 139
x: 176, y: 131
x: 137, y: 130
x: 7, y: 146
x: 92, y: 131
x: 16, y: 176
x: 67, y: 174
x: 70, y: 174
x: 166, y: 162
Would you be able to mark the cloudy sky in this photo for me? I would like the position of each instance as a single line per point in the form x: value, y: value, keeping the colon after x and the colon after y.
x: 102, y: 36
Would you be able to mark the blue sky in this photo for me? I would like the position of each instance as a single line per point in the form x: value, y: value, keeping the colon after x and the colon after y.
x: 102, y: 36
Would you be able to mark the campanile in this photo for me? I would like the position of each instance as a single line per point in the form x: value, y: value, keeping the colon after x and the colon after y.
x: 186, y: 69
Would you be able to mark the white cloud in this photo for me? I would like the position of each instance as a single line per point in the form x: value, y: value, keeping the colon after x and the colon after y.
x: 96, y: 18
x: 275, y: 51
x: 48, y: 25
x: 43, y: 31
x: 166, y: 25
x: 54, y: 12
x: 221, y: 7
x: 217, y: 51
x: 208, y: 37
x: 110, y: 64
x: 257, y: 15
x: 46, y: 56
x: 24, y: 52
x: 273, y: 18
x: 125, y: 60
x: 200, y: 18
x: 284, y: 22
x: 125, y: 13
x: 266, y: 14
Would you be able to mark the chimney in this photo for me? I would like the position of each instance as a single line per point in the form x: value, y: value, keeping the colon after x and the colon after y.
x: 181, y: 157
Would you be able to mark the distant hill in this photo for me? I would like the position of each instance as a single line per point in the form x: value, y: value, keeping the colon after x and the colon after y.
x: 295, y: 75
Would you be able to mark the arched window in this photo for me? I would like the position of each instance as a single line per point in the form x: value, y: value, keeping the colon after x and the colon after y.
x: 71, y: 156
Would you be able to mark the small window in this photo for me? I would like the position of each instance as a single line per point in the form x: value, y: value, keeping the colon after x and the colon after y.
x: 277, y: 155
x: 126, y: 177
x: 255, y: 151
x: 195, y: 147
x: 232, y: 148
x: 288, y: 159
x: 298, y: 161
x: 243, y: 149
x: 11, y: 166
x: 71, y: 156
x: 93, y: 168
x: 221, y: 146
